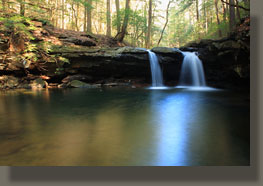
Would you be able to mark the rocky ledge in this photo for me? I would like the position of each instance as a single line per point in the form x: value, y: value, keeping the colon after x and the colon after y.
x: 117, y: 66
x: 226, y: 65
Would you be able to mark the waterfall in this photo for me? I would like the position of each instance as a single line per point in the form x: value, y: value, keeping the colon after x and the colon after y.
x: 192, y: 72
x: 157, y: 76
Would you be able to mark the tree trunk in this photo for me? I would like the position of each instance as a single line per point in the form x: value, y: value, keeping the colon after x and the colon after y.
x: 217, y: 18
x: 57, y: 10
x: 197, y: 10
x: 234, y: 5
x: 120, y: 36
x: 148, y: 43
x: 85, y: 18
x: 89, y: 20
x: 227, y: 5
x: 145, y: 22
x: 224, y: 11
x: 63, y: 14
x: 232, y: 21
x: 167, y: 19
x: 22, y: 8
x: 205, y: 16
x: 74, y: 15
x: 237, y: 11
x: 108, y: 18
x: 117, y: 2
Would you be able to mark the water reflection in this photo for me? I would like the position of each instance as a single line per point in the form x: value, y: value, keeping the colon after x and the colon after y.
x: 194, y: 131
x: 174, y: 113
x: 122, y: 127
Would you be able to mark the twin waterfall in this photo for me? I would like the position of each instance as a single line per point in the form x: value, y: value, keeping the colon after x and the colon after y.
x: 192, y: 72
x: 157, y: 75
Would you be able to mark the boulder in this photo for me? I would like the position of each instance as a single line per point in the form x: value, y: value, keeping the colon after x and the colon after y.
x: 131, y: 50
x: 165, y: 50
x: 8, y: 82
x: 39, y: 84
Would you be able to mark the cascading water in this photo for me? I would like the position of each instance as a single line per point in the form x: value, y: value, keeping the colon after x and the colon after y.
x: 157, y: 76
x: 192, y: 72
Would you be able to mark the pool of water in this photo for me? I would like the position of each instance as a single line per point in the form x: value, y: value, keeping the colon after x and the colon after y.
x: 124, y: 127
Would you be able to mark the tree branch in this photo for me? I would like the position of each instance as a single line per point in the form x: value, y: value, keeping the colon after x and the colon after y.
x: 238, y: 6
x: 167, y: 19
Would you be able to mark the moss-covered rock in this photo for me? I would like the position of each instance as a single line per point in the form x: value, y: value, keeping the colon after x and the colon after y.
x: 8, y: 82
x: 39, y: 83
x: 165, y: 50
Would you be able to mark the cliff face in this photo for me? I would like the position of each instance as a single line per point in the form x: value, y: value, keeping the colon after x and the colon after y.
x: 86, y: 58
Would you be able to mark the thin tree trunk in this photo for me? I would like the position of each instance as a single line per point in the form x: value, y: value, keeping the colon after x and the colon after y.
x: 217, y: 18
x: 57, y: 10
x: 205, y: 16
x: 197, y: 10
x: 77, y: 15
x: 145, y: 22
x: 117, y: 2
x: 108, y: 18
x: 237, y: 11
x: 63, y: 14
x: 232, y: 21
x: 74, y: 14
x: 120, y: 36
x: 224, y: 11
x: 227, y: 5
x: 22, y: 8
x: 89, y: 20
x: 167, y: 20
x: 85, y: 18
x: 148, y: 43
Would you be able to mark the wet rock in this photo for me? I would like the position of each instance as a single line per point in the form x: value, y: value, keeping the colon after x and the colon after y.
x: 63, y: 85
x: 116, y: 84
x: 165, y: 50
x: 188, y: 49
x: 132, y: 50
x: 8, y: 82
x: 79, y: 77
x: 39, y: 84
x: 80, y: 84
x: 24, y: 85
x: 53, y: 85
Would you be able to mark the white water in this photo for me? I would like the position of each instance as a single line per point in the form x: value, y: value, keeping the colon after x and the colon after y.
x: 157, y: 76
x: 192, y: 72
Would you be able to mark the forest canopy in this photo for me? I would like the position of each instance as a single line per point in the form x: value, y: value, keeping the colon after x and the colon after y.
x: 142, y: 23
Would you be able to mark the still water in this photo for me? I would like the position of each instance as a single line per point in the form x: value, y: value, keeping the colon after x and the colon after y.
x: 123, y: 127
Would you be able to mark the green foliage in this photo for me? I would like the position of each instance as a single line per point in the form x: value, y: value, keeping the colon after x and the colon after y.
x: 17, y: 27
x: 137, y: 26
x: 184, y: 27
